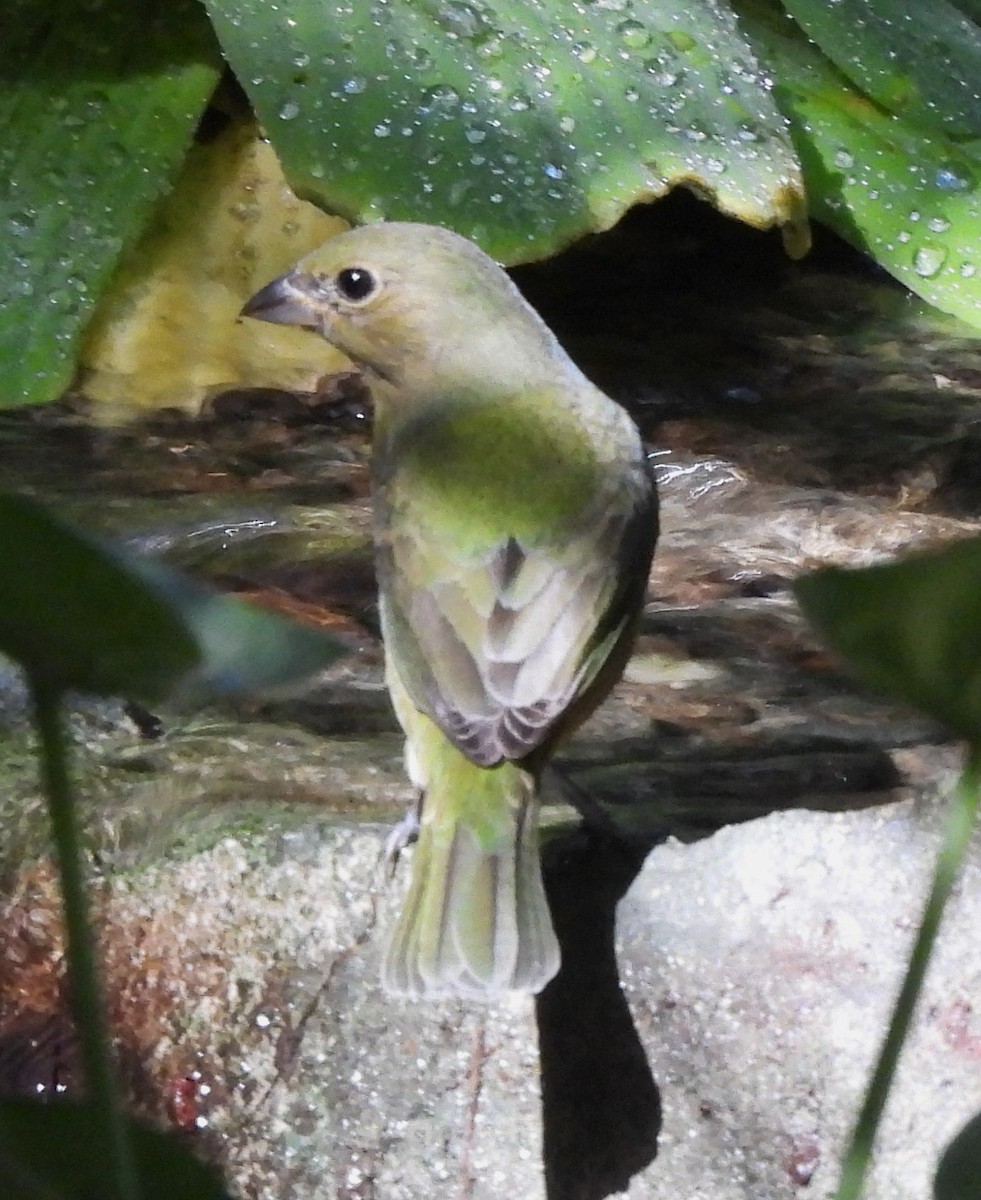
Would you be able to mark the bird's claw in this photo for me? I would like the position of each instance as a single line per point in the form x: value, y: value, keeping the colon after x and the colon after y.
x: 402, y: 834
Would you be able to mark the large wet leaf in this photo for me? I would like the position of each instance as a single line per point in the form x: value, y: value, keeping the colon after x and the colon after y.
x: 921, y: 61
x: 522, y: 124
x: 98, y: 102
x: 910, y: 629
x: 908, y: 196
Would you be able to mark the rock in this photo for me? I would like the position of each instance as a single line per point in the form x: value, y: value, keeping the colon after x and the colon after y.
x: 758, y: 967
x: 761, y: 965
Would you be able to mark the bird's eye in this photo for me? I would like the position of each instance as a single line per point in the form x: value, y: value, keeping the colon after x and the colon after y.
x: 356, y: 283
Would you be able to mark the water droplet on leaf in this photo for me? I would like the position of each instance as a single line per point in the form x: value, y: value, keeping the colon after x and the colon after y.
x: 441, y: 99
x: 950, y: 181
x: 633, y: 34
x: 929, y: 259
x: 682, y: 40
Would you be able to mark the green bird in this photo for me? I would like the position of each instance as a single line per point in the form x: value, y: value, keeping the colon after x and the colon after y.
x: 515, y: 520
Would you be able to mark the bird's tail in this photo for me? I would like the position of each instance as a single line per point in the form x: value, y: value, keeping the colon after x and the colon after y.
x: 476, y: 921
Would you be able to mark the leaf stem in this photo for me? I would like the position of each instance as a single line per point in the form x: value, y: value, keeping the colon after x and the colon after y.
x: 957, y: 836
x: 83, y: 981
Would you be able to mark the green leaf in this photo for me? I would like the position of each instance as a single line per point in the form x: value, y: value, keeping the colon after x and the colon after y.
x: 959, y: 1170
x: 520, y: 123
x: 921, y: 61
x: 908, y: 197
x: 244, y: 648
x: 82, y: 614
x: 74, y: 614
x: 98, y: 103
x: 910, y: 629
x: 51, y: 1152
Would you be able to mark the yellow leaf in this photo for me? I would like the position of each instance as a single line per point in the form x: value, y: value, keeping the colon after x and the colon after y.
x: 167, y: 333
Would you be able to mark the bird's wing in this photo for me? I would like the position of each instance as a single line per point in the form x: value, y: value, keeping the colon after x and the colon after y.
x: 504, y: 591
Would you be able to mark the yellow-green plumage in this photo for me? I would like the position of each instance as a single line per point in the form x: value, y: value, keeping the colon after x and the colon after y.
x: 475, y: 921
x: 515, y: 519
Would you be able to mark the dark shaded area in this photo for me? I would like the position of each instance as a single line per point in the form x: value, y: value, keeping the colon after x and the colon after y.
x: 817, y: 372
x: 601, y: 1105
x: 694, y: 304
x: 39, y: 1058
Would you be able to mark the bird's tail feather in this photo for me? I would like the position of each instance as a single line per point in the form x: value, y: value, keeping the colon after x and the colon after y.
x: 476, y: 921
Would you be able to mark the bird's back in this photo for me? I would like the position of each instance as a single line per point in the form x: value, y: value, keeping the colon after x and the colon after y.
x: 513, y: 537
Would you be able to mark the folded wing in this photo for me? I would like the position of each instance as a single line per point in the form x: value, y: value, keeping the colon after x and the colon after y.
x: 496, y: 640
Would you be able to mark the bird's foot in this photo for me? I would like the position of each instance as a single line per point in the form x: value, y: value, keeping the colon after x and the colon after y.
x: 402, y: 835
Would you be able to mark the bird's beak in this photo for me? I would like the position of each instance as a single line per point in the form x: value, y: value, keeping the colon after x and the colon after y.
x: 283, y: 302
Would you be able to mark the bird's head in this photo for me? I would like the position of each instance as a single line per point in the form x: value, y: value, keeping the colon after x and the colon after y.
x: 418, y: 306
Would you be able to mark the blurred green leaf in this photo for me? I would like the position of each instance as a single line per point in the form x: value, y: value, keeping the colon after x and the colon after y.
x: 910, y: 629
x: 86, y: 615
x: 72, y: 613
x: 244, y: 648
x: 51, y: 1152
x: 921, y: 61
x: 520, y: 123
x: 959, y: 1170
x: 908, y: 197
x: 98, y: 103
